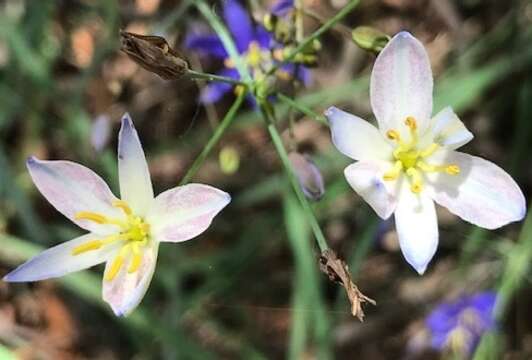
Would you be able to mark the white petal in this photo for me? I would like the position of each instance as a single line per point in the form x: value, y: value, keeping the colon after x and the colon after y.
x: 449, y: 131
x: 417, y: 227
x: 401, y: 84
x: 125, y: 292
x: 482, y: 194
x: 356, y: 137
x: 59, y: 260
x: 366, y: 179
x: 135, y: 181
x: 72, y: 188
x: 184, y: 212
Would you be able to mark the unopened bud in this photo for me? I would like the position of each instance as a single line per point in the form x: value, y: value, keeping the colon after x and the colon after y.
x: 308, y: 175
x: 369, y: 39
x: 154, y: 54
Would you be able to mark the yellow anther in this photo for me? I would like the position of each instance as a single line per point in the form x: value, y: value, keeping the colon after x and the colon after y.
x: 393, y: 135
x: 115, y: 268
x: 239, y: 89
x: 394, y: 172
x: 254, y: 55
x: 411, y: 123
x: 278, y: 54
x: 452, y: 169
x: 429, y: 150
x: 229, y: 63
x: 135, y: 263
x: 94, y: 217
x: 88, y: 246
x: 283, y: 75
x: 417, y: 181
x: 121, y: 204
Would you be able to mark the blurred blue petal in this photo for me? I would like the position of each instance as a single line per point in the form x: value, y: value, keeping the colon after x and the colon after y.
x: 299, y: 72
x: 239, y: 23
x: 468, y: 317
x: 263, y: 37
x: 206, y: 44
x: 214, y: 91
x: 282, y: 7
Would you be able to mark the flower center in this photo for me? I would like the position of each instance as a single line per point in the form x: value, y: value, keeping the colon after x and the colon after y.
x: 255, y: 57
x: 410, y: 159
x: 134, y: 234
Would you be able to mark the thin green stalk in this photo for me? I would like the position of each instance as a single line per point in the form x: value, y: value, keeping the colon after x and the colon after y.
x: 212, y: 77
x: 229, y: 45
x: 218, y: 132
x: 302, y: 108
x: 278, y: 143
x: 316, y: 34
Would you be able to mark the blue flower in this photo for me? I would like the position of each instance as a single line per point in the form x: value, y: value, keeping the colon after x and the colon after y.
x: 253, y: 42
x: 458, y: 326
x: 282, y: 7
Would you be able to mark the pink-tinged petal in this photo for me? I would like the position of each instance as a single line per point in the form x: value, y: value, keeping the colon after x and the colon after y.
x: 366, y: 178
x: 184, y: 212
x: 449, y: 131
x: 401, y: 84
x: 72, y: 188
x: 482, y: 193
x: 135, y: 181
x: 59, y: 260
x: 357, y: 138
x: 417, y: 227
x: 126, y: 290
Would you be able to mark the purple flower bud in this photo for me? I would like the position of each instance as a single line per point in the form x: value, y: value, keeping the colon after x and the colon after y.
x: 308, y: 175
x: 100, y: 132
x: 458, y: 326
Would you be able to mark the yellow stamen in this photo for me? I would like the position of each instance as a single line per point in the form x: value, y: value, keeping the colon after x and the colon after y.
x: 239, y: 89
x: 394, y: 172
x: 283, y: 75
x: 136, y: 261
x: 411, y: 123
x: 254, y: 56
x: 429, y: 151
x: 452, y: 169
x: 449, y: 169
x: 122, y: 205
x: 115, y: 268
x: 229, y: 63
x: 94, y: 217
x: 88, y: 246
x: 393, y: 135
x: 417, y: 180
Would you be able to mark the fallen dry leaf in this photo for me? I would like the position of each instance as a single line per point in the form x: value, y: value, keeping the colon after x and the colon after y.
x: 154, y: 54
x: 338, y: 271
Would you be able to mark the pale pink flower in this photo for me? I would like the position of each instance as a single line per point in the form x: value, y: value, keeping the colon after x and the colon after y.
x: 124, y: 233
x: 410, y: 161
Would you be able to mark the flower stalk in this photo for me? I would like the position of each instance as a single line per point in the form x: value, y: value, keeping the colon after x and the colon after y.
x: 218, y: 133
x: 283, y: 155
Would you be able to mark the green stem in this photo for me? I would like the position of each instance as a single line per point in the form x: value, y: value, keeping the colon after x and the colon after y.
x: 218, y: 132
x: 309, y: 39
x: 212, y: 77
x: 278, y: 143
x: 225, y: 37
x: 302, y: 108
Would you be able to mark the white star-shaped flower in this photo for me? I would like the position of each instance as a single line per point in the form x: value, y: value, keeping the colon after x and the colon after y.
x: 124, y: 233
x: 410, y: 161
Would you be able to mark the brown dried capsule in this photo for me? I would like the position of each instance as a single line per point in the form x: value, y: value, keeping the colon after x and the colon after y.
x: 154, y: 54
